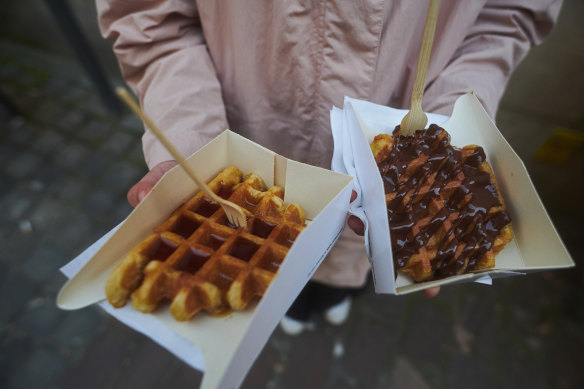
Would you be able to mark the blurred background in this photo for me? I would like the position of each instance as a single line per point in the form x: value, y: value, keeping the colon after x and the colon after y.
x: 69, y: 152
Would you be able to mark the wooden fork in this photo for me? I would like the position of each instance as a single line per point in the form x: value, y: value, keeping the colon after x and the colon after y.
x: 235, y: 214
x: 416, y: 119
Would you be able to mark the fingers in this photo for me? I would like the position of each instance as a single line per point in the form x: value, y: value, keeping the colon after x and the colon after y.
x: 356, y: 225
x: 141, y: 189
x: 432, y: 292
x: 353, y: 221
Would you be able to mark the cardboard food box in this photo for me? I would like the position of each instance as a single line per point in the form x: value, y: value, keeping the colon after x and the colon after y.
x: 536, y: 245
x: 223, y: 347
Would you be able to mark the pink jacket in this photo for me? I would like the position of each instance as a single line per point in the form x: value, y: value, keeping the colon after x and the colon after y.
x: 272, y: 70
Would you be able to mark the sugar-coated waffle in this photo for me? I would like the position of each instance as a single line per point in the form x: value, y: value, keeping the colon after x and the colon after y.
x: 446, y: 214
x: 198, y: 261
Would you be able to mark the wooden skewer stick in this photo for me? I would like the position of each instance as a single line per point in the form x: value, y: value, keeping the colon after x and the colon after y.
x: 234, y: 213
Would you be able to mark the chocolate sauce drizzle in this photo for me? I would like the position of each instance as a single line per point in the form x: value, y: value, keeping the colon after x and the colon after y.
x: 439, y: 186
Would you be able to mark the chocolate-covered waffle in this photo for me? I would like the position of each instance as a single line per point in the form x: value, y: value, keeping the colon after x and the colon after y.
x: 446, y: 214
x: 198, y: 261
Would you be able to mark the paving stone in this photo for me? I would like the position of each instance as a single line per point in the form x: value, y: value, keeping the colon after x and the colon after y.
x: 67, y: 188
x: 404, y: 375
x: 340, y: 378
x: 71, y: 233
x: 264, y: 368
x: 55, y: 85
x: 95, y: 105
x: 28, y: 100
x: 148, y: 354
x: 103, y: 360
x: 464, y: 371
x: 95, y: 132
x: 23, y: 165
x: 14, y: 352
x: 75, y: 93
x: 118, y: 142
x: 379, y: 347
x: 559, y: 359
x: 79, y: 327
x: 47, y: 141
x: 314, y: 365
x: 15, y: 291
x: 7, y: 154
x: 42, y: 369
x: 8, y: 69
x: 45, y: 111
x: 475, y: 338
x: 47, y: 213
x: 18, y: 200
x: 95, y: 164
x: 71, y: 120
x: 19, y: 132
x: 15, y: 245
x: 121, y: 176
x: 428, y: 335
x: 45, y: 177
x: 99, y: 201
x: 186, y: 377
x: 40, y: 317
x: 70, y: 156
x: 6, y: 185
x: 384, y: 308
x: 43, y: 263
x: 26, y: 78
x: 5, y: 114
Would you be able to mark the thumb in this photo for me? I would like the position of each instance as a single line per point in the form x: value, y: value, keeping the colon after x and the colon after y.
x: 432, y: 292
x: 137, y: 192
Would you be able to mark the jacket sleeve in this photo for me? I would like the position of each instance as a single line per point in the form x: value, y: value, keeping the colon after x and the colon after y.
x: 500, y: 38
x: 162, y: 55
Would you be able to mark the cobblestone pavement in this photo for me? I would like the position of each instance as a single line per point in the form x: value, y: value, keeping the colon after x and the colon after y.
x: 65, y: 166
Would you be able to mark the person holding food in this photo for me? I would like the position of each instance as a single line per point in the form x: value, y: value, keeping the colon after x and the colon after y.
x: 272, y: 70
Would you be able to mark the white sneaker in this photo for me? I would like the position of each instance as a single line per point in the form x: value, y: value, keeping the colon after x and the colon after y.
x: 338, y: 314
x: 292, y: 326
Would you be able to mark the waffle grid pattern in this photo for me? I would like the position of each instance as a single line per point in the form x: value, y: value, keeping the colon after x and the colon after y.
x: 199, y: 261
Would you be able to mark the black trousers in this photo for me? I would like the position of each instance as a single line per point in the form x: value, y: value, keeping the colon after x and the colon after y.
x: 318, y: 297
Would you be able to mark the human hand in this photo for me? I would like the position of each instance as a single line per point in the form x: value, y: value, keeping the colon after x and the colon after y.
x: 145, y: 185
x: 432, y: 292
x: 359, y: 228
x: 354, y: 222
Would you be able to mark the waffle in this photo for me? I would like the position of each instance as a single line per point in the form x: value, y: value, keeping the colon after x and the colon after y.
x: 198, y: 261
x: 446, y: 214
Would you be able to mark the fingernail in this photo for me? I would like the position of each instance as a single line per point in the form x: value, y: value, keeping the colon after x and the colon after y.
x: 141, y: 195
